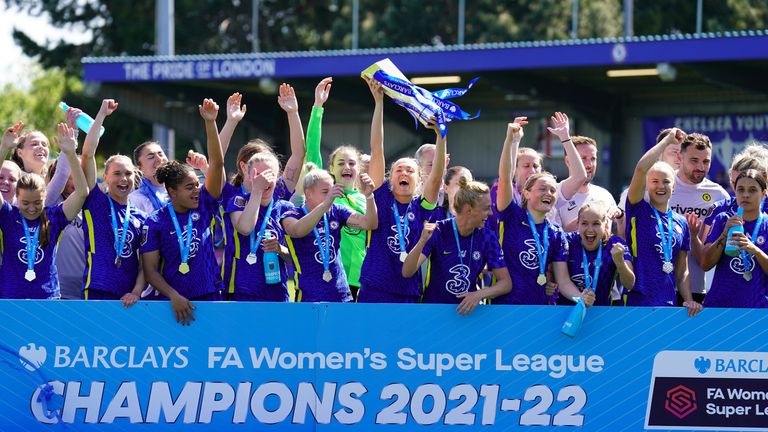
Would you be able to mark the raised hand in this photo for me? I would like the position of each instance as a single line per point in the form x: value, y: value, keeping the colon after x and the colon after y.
x: 67, y: 138
x: 108, y: 106
x: 71, y: 116
x: 377, y: 90
x: 197, y: 160
x: 427, y: 231
x: 10, y: 136
x: 617, y: 253
x: 337, y: 191
x: 366, y: 185
x: 235, y: 111
x: 675, y: 136
x: 515, y: 129
x: 260, y: 182
x: 694, y: 224
x: 287, y: 99
x: 561, y: 127
x: 209, y: 110
x: 322, y: 91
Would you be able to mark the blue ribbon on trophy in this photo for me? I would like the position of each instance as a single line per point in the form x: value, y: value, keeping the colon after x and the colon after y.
x: 421, y: 104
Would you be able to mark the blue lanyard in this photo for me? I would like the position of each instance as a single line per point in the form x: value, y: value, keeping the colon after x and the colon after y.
x: 255, y: 241
x: 184, y: 246
x: 150, y: 191
x: 325, y: 247
x: 402, y: 228
x: 667, y: 238
x: 541, y: 249
x: 591, y: 284
x: 458, y: 245
x: 31, y: 244
x: 120, y: 237
x: 755, y: 231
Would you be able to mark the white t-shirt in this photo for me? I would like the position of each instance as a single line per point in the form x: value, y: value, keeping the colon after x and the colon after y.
x: 567, y: 211
x: 699, y: 199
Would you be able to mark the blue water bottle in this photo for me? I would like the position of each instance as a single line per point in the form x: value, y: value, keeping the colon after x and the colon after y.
x: 730, y: 249
x: 84, y: 121
x: 572, y: 324
x: 271, y: 265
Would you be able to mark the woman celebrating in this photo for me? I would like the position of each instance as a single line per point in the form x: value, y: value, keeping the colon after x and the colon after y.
x: 458, y: 249
x: 253, y: 215
x: 401, y: 216
x: 658, y: 236
x: 595, y: 256
x: 111, y: 223
x: 151, y: 195
x: 319, y: 274
x: 180, y: 235
x: 530, y: 242
x: 740, y: 280
x: 30, y: 231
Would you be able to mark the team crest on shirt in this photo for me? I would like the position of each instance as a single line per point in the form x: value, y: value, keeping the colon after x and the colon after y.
x: 334, y: 225
x: 240, y: 201
x: 459, y: 282
x: 476, y: 255
x: 22, y: 254
x: 706, y: 197
x: 760, y: 240
x: 530, y: 258
x: 411, y: 217
x: 195, y: 216
x: 737, y: 266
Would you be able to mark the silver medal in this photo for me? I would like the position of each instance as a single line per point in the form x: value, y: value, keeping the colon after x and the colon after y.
x: 118, y: 262
x: 747, y: 275
x: 327, y: 276
x: 403, y: 256
x: 667, y: 267
x: 30, y: 275
x: 251, y: 259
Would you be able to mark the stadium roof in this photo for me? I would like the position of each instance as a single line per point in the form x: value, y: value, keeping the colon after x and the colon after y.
x: 684, y: 48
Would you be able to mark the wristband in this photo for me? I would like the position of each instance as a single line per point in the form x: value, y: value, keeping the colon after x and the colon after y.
x: 565, y: 141
x: 369, y: 197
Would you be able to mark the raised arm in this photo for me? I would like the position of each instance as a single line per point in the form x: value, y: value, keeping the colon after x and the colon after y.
x: 370, y: 220
x: 289, y: 104
x: 91, y: 143
x: 415, y: 258
x: 235, y: 113
x: 377, y: 166
x: 435, y: 179
x: 209, y: 110
x: 315, y: 126
x: 624, y: 267
x: 577, y: 174
x: 10, y: 136
x: 508, y: 162
x: 637, y: 185
x: 67, y: 144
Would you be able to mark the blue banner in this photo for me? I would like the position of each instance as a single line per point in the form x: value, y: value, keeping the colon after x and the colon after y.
x: 729, y: 135
x: 95, y: 366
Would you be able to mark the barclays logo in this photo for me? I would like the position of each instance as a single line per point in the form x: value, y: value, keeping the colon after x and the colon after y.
x: 702, y: 364
x: 32, y: 357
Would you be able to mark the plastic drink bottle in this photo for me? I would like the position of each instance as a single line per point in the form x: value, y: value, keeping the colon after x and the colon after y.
x: 84, y: 121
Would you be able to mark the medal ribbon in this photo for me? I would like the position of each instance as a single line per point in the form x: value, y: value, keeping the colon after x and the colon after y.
x: 119, y: 237
x: 184, y: 245
x: 541, y: 250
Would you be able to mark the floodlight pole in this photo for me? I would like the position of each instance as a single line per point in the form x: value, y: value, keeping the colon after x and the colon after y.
x: 629, y: 29
x: 460, y: 32
x: 355, y: 24
x: 255, y: 27
x: 164, y: 46
x: 699, y: 15
x: 575, y: 20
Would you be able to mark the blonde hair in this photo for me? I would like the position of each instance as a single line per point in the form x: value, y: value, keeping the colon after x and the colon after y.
x: 315, y: 174
x: 469, y: 193
x: 268, y: 158
x: 661, y: 166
